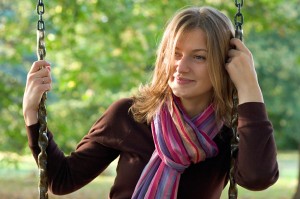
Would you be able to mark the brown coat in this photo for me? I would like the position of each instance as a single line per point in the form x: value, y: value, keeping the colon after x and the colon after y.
x: 116, y: 134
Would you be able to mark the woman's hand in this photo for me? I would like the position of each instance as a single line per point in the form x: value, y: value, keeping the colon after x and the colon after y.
x: 240, y: 66
x: 38, y: 81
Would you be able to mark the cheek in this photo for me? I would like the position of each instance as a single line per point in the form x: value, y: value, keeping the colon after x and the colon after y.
x: 209, y: 83
x: 204, y: 76
x: 208, y: 80
x: 201, y: 71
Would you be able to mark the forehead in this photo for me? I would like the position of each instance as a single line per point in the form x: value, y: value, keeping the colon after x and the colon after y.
x: 193, y: 39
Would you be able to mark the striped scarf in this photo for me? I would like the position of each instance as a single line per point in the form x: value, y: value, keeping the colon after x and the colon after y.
x: 179, y: 141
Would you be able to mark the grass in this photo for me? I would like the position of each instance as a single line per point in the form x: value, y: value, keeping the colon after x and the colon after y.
x: 284, y: 188
x: 22, y: 182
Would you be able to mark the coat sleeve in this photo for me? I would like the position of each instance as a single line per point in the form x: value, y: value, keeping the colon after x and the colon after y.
x: 256, y: 165
x: 93, y: 154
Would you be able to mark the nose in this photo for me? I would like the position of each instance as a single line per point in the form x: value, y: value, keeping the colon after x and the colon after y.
x: 182, y: 65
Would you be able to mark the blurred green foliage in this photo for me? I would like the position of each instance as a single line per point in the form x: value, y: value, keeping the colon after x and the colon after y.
x: 103, y: 50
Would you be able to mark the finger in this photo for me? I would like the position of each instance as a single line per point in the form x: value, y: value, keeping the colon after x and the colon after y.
x: 37, y: 65
x: 238, y: 45
x: 45, y: 80
x: 45, y: 87
x: 44, y: 72
x: 37, y: 77
x: 40, y: 85
x: 233, y: 53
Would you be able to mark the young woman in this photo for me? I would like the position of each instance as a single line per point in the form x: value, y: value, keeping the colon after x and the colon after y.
x: 173, y: 137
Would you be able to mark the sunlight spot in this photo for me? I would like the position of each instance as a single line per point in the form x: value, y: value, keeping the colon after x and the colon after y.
x: 88, y: 94
x: 104, y: 18
x: 94, y: 1
x: 75, y: 66
x: 58, y: 9
x: 116, y: 52
x: 51, y: 37
x: 71, y: 84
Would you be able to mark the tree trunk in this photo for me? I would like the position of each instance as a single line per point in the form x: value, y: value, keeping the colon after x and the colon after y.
x: 297, y: 194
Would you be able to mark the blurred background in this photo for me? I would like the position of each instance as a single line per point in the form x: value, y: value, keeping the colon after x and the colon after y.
x: 103, y: 50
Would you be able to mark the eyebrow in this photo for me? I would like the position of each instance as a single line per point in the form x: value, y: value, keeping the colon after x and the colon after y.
x: 195, y: 50
x: 199, y: 49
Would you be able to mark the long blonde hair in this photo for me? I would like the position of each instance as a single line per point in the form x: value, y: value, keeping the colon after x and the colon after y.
x: 219, y: 30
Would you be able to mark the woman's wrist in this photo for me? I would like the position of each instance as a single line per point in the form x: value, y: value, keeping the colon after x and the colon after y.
x: 250, y: 94
x: 30, y: 117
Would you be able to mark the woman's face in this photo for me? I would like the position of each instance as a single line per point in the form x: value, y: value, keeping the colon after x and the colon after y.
x: 189, y: 78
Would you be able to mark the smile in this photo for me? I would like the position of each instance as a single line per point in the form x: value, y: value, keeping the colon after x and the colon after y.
x: 181, y: 80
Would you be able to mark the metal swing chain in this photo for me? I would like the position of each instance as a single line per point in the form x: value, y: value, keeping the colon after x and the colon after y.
x: 239, y: 20
x: 232, y: 191
x: 42, y: 113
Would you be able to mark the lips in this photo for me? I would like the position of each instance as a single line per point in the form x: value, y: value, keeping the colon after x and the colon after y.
x: 182, y: 80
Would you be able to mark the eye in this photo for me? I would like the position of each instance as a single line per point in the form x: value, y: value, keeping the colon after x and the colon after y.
x: 178, y: 55
x: 200, y: 57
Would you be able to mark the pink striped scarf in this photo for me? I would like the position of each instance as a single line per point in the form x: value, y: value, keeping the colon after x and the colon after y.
x: 179, y: 141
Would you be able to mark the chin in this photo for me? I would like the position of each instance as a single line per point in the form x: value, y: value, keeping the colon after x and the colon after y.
x: 180, y: 94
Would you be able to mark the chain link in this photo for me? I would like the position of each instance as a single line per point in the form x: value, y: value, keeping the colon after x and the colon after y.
x: 41, y: 50
x: 232, y: 191
x: 239, y: 20
x: 42, y: 113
